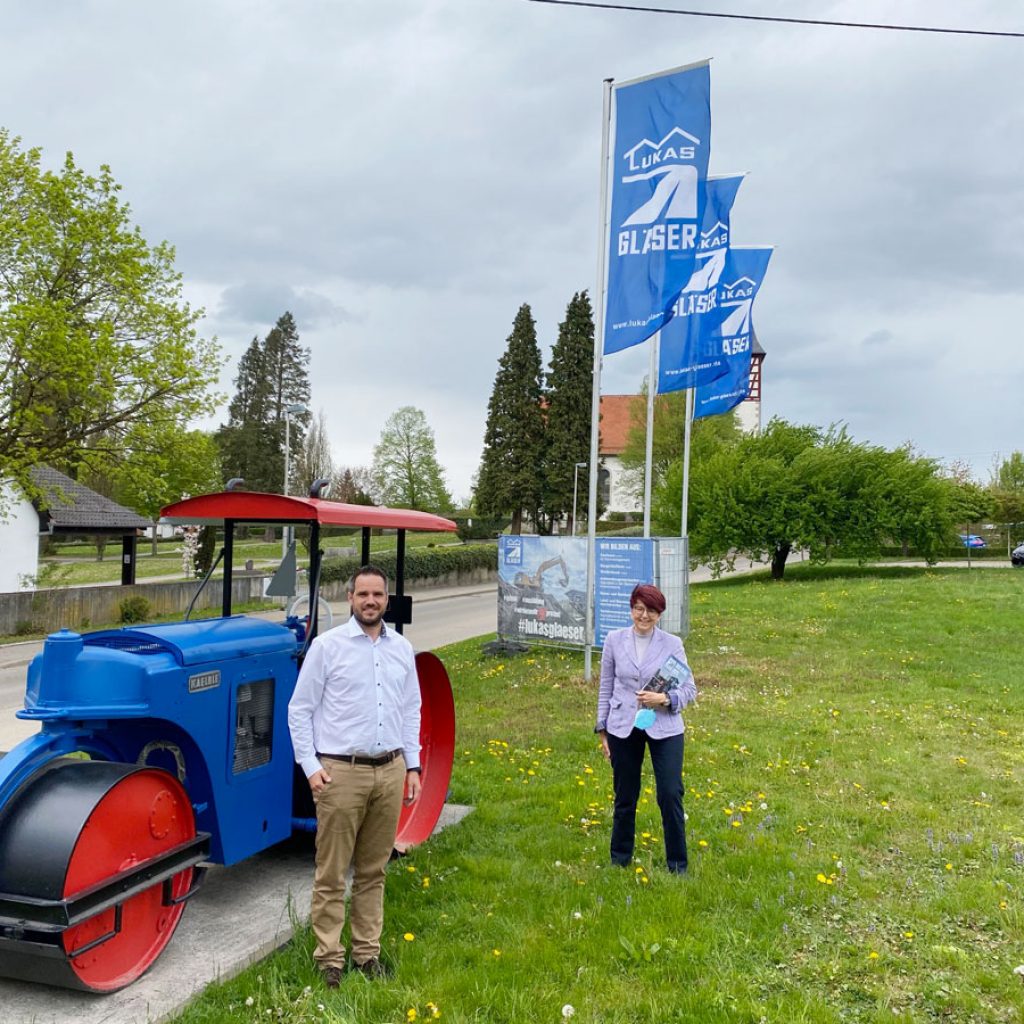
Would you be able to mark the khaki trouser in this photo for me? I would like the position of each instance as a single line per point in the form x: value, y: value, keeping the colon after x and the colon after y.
x: 357, y: 818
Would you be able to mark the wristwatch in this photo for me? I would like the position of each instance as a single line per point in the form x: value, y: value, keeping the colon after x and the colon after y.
x: 417, y: 770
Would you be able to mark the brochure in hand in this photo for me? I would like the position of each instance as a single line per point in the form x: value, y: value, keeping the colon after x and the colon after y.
x: 672, y: 674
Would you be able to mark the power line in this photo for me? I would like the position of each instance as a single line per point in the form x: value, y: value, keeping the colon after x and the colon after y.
x: 786, y: 21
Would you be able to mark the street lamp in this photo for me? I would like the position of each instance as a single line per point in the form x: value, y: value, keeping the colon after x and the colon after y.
x: 296, y: 409
x: 575, y: 478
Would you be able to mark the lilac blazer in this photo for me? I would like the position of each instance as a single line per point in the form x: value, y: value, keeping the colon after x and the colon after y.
x: 621, y: 677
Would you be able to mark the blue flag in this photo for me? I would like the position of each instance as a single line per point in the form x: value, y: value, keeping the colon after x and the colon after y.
x: 741, y: 280
x: 660, y: 153
x: 689, y: 354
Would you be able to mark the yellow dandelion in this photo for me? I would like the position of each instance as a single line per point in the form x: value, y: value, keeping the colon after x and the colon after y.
x: 426, y: 881
x: 949, y: 867
x: 872, y: 955
x: 703, y: 843
x: 408, y: 936
x: 411, y: 1014
x: 496, y: 952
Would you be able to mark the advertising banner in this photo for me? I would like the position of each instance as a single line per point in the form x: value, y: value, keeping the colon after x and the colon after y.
x: 542, y: 589
x: 542, y: 586
x: 746, y: 270
x: 621, y: 563
x: 689, y: 354
x: 659, y: 153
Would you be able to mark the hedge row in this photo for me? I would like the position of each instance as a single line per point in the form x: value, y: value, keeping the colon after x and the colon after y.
x: 420, y: 563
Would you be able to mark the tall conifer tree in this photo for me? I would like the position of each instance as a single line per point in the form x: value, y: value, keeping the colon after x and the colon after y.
x: 272, y: 374
x: 511, y: 469
x: 569, y: 397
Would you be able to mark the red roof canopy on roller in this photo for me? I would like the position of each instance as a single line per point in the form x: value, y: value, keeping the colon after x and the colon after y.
x: 258, y: 507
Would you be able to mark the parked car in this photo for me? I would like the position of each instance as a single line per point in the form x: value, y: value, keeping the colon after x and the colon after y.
x: 972, y: 540
x: 1017, y: 555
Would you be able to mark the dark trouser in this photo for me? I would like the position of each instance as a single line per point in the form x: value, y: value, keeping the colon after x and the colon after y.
x: 627, y: 764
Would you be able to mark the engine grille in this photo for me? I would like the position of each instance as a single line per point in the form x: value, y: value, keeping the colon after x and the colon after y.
x: 254, y: 725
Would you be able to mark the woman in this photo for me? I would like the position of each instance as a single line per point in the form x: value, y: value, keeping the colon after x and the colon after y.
x: 631, y: 658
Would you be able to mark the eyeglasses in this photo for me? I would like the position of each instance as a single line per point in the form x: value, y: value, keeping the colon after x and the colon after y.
x: 642, y: 609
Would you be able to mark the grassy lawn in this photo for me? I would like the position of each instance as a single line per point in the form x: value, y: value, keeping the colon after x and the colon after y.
x: 76, y: 565
x: 854, y: 777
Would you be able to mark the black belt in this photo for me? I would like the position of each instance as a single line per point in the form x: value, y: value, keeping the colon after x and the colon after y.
x: 365, y: 762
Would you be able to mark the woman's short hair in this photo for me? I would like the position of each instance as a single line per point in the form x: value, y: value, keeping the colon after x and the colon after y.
x: 648, y: 595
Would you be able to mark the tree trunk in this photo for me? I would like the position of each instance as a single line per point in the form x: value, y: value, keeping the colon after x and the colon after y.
x: 779, y: 556
x: 517, y: 521
x: 156, y: 538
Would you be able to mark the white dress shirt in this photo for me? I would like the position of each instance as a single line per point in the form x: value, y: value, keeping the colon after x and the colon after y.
x: 356, y: 695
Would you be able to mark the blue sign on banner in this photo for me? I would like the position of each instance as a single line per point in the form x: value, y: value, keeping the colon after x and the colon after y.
x: 689, y: 353
x: 744, y: 274
x: 660, y: 153
x: 620, y: 564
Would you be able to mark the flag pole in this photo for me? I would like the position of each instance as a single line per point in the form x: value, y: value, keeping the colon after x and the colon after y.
x: 652, y: 388
x: 683, y: 525
x: 595, y: 403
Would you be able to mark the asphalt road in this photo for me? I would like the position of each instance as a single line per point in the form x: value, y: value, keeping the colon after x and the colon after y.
x: 440, y: 617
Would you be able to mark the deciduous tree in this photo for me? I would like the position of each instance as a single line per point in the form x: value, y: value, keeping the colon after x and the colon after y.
x: 313, y: 460
x: 406, y: 472
x: 95, y: 337
x: 799, y: 487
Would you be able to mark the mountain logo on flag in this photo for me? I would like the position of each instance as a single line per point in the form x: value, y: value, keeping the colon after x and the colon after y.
x: 739, y: 291
x: 715, y: 237
x: 670, y: 161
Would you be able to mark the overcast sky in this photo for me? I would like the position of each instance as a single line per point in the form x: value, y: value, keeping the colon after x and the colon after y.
x: 403, y: 174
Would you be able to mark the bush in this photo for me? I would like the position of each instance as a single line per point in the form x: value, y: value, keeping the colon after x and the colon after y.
x: 420, y: 563
x: 133, y: 609
x: 478, y: 527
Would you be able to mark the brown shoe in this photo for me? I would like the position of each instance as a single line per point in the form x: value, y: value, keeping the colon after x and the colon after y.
x: 331, y: 976
x: 372, y: 968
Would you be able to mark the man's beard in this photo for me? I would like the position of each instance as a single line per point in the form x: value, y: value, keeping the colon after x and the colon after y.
x: 368, y: 618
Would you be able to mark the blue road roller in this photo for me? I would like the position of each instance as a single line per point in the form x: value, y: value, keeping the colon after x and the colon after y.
x: 165, y: 748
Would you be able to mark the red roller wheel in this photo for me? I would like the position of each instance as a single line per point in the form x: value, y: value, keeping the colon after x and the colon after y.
x: 140, y: 817
x: 96, y: 861
x: 437, y: 740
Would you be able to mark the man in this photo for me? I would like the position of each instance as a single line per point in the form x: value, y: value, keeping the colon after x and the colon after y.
x: 355, y: 725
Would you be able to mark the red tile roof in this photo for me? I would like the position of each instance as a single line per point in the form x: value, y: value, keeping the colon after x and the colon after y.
x: 616, y: 420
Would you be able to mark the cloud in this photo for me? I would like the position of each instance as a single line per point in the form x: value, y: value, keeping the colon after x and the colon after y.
x: 402, y: 176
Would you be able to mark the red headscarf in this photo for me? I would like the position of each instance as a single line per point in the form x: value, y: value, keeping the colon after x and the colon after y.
x: 649, y: 595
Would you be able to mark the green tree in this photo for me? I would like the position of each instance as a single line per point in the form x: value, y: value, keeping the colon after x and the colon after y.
x: 272, y: 375
x: 1010, y: 474
x: 95, y: 337
x: 161, y: 465
x: 708, y: 434
x: 286, y: 364
x: 510, y: 481
x: 1006, y: 494
x: 569, y: 398
x: 406, y: 473
x: 801, y: 487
